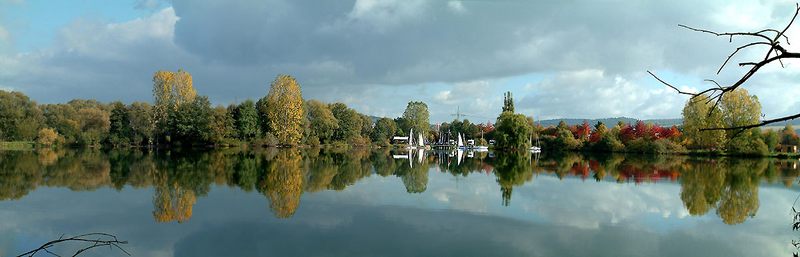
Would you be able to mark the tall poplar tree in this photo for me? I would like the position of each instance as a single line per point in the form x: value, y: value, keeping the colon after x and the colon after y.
x: 285, y: 110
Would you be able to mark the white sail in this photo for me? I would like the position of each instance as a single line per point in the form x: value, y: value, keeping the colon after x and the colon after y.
x: 411, y: 138
x: 421, y: 142
x: 460, y: 142
x: 459, y: 156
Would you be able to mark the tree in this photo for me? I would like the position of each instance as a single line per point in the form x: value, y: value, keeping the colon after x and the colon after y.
x: 789, y: 136
x: 170, y: 91
x: 47, y: 137
x: 696, y: 116
x: 222, y: 125
x: 192, y: 122
x: 120, y: 129
x: 285, y: 110
x: 349, y: 125
x: 385, y: 128
x: 417, y: 116
x: 772, y: 139
x: 508, y: 102
x: 741, y: 109
x: 141, y: 124
x: 20, y: 118
x: 246, y: 120
x: 773, y: 38
x: 94, y: 124
x: 513, y: 131
x: 322, y: 123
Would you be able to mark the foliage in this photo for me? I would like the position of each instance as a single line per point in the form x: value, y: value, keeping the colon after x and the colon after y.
x: 695, y: 117
x: 322, y: 123
x: 508, y: 102
x: 20, y: 118
x: 170, y: 91
x: 246, y: 119
x: 513, y: 131
x: 349, y: 122
x: 48, y: 137
x: 284, y: 110
x: 191, y: 123
x: 385, y: 128
x: 417, y: 117
x: 771, y: 139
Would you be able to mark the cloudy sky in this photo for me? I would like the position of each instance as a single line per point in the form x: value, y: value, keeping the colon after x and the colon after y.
x: 561, y: 59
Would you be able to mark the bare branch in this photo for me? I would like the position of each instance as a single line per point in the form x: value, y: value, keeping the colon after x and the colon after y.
x: 93, y: 239
x: 763, y: 123
x: 671, y: 86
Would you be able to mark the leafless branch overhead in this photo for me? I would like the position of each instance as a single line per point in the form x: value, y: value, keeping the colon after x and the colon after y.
x: 770, y: 38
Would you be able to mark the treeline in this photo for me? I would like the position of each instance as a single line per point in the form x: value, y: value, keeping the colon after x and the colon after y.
x: 179, y: 116
x: 700, y: 132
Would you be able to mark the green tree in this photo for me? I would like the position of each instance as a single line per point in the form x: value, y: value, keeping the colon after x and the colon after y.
x: 772, y: 139
x: 385, y: 128
x: 322, y: 123
x: 141, y: 123
x: 120, y: 129
x: 20, y: 118
x: 512, y: 131
x: 94, y: 125
x: 222, y: 125
x: 192, y: 122
x: 349, y: 126
x: 696, y: 116
x: 417, y: 116
x: 741, y: 109
x: 246, y: 120
x: 285, y: 110
x: 508, y: 102
x: 789, y: 136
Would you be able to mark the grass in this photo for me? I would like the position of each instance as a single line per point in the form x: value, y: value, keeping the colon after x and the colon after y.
x: 16, y: 145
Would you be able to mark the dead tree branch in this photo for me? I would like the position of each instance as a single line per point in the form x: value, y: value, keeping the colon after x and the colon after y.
x: 90, y: 240
x: 771, y: 38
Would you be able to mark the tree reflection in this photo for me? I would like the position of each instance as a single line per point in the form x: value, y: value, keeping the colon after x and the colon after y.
x: 283, y: 183
x: 729, y: 186
x: 512, y: 170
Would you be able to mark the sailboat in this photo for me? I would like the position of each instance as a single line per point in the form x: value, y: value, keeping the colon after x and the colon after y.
x: 411, y: 140
x: 535, y: 148
x: 421, y: 142
x: 460, y: 142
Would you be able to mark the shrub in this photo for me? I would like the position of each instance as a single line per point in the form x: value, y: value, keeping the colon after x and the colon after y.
x: 48, y: 137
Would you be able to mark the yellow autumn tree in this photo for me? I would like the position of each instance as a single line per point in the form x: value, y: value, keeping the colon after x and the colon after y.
x: 285, y: 110
x: 170, y: 90
x: 173, y: 203
x: 283, y: 183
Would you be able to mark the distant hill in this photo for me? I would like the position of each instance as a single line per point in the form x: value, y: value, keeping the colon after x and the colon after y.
x: 611, y: 121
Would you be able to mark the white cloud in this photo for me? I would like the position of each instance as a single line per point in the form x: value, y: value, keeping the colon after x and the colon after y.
x: 456, y: 6
x: 594, y: 94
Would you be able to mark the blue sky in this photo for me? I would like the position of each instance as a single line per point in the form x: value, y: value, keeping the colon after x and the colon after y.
x: 561, y: 60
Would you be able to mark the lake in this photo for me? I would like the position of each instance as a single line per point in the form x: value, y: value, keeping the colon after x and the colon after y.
x: 270, y: 202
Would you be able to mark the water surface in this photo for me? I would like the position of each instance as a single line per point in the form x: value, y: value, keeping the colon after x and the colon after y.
x: 315, y: 202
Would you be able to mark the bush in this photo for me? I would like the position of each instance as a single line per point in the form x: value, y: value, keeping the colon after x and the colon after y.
x: 267, y: 140
x: 608, y: 143
x: 48, y: 137
x: 641, y: 145
x: 312, y: 141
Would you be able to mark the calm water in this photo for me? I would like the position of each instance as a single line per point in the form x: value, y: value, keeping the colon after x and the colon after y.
x: 377, y: 203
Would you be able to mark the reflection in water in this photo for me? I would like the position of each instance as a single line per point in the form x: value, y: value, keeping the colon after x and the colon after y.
x: 729, y: 186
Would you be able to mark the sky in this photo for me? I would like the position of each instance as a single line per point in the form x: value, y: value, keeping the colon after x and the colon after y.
x: 560, y: 59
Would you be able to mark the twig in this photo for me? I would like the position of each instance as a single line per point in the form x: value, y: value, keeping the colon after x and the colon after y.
x: 94, y: 239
